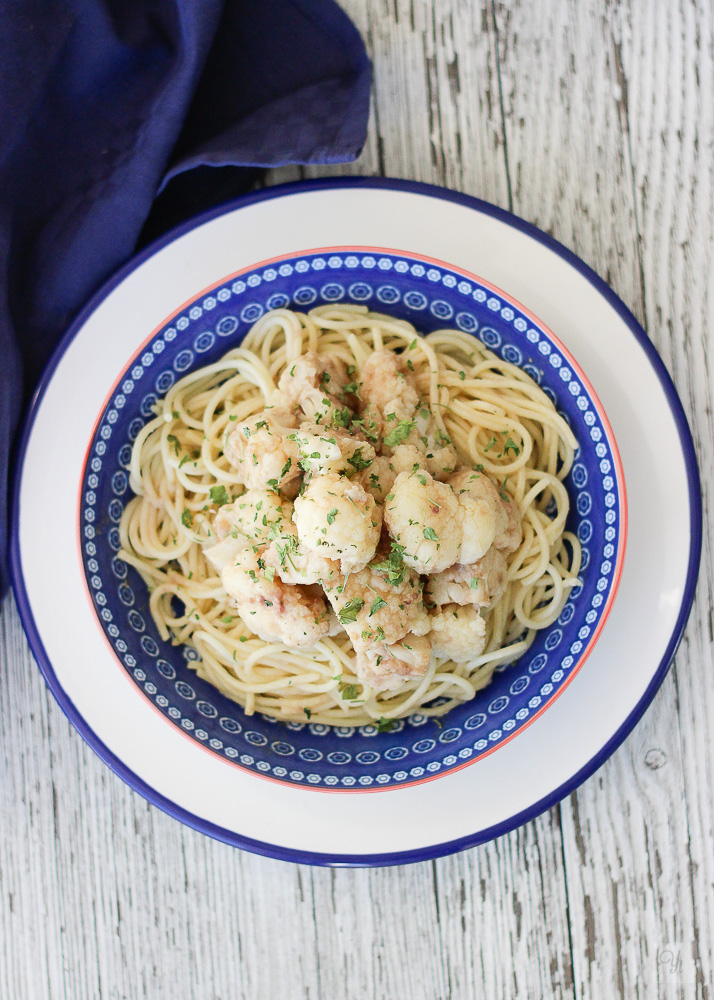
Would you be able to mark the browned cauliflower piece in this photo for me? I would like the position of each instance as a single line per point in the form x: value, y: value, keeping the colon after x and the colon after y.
x: 338, y: 520
x: 458, y: 633
x: 423, y: 516
x: 271, y: 609
x: 386, y: 668
x: 263, y: 454
x: 478, y: 583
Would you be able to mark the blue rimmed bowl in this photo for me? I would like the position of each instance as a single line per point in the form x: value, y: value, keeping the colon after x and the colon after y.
x: 431, y: 295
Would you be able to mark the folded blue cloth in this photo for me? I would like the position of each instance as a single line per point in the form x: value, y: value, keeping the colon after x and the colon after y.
x: 107, y: 104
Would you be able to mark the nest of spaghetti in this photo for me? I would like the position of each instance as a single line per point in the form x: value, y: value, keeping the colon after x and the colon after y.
x: 349, y: 522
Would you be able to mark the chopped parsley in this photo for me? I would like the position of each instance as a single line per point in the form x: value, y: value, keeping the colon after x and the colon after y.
x: 308, y: 713
x: 431, y: 534
x: 187, y: 518
x: 400, y: 433
x: 219, y: 495
x: 286, y: 468
x: 269, y: 574
x: 172, y: 439
x: 368, y: 431
x: 358, y: 462
x: 348, y: 614
x: 332, y: 515
x: 474, y: 583
x: 227, y: 619
x: 183, y: 461
x: 377, y: 603
x: 342, y: 418
x: 490, y: 444
x: 393, y: 565
x: 386, y: 725
x: 511, y: 445
x: 349, y: 691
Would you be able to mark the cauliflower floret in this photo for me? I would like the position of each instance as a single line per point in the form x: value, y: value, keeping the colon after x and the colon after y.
x: 479, y: 583
x: 423, y: 516
x: 293, y: 563
x: 386, y: 668
x: 263, y: 454
x: 256, y: 515
x: 339, y: 520
x: 311, y: 372
x: 483, y: 513
x: 380, y: 603
x: 272, y: 610
x: 458, y: 634
x: 422, y: 433
x: 379, y: 477
x: 324, y: 450
x: 312, y: 387
x: 386, y: 390
x: 511, y: 536
x: 224, y: 552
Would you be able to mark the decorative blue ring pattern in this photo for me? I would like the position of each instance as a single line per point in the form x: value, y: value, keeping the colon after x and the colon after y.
x: 430, y: 295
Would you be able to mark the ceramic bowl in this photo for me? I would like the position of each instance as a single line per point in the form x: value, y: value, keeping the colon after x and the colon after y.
x: 431, y: 295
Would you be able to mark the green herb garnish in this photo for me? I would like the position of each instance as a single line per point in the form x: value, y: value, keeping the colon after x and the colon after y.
x: 400, y: 433
x: 393, y: 565
x: 219, y: 495
x: 348, y: 614
x: 377, y: 603
x: 358, y: 462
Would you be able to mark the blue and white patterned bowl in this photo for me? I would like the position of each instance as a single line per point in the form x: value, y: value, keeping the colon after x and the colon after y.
x: 431, y: 295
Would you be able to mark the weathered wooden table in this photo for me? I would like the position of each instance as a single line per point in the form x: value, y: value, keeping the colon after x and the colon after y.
x: 595, y: 121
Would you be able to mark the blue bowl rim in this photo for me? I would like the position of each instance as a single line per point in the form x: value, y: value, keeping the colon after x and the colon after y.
x: 431, y: 851
x: 547, y: 333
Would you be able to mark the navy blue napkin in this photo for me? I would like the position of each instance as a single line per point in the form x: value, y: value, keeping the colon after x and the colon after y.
x: 120, y: 118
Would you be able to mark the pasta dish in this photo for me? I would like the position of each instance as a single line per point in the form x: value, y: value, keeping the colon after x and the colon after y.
x: 350, y: 522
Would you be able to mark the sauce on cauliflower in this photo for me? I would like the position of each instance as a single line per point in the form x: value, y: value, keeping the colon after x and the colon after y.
x: 357, y: 516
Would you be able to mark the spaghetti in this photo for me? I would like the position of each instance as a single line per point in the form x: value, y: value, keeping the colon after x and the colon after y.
x: 498, y: 420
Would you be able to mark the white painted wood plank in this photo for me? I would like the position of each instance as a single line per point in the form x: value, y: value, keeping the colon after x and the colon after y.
x: 672, y: 122
x: 626, y: 831
x: 435, y: 114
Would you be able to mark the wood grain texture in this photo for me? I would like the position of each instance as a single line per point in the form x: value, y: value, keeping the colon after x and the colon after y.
x: 595, y: 121
x: 626, y: 832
